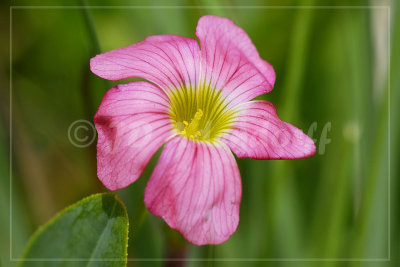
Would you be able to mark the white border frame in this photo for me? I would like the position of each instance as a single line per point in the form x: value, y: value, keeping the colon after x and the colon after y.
x: 387, y: 7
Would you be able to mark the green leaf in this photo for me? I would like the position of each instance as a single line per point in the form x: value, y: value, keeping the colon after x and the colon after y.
x: 91, y: 232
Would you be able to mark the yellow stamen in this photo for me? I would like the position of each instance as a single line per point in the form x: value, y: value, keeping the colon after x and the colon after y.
x: 191, y: 129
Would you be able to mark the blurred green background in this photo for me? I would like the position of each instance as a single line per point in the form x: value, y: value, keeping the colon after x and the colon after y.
x: 332, y: 64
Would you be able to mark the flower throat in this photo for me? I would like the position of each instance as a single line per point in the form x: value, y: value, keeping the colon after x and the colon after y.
x: 200, y: 113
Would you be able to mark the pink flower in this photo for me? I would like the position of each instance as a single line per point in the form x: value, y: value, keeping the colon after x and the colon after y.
x: 197, y: 102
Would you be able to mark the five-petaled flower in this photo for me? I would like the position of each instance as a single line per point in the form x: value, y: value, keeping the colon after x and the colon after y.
x: 197, y: 102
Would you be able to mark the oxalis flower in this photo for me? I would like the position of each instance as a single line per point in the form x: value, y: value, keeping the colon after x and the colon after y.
x: 197, y: 102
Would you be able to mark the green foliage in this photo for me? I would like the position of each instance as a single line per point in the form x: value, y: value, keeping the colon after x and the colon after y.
x: 91, y: 232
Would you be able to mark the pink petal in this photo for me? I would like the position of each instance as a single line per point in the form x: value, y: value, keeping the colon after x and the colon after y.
x: 132, y: 123
x: 259, y: 133
x: 231, y: 62
x: 196, y: 189
x: 167, y: 60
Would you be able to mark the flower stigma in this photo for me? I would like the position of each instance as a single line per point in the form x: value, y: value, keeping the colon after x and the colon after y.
x: 191, y: 128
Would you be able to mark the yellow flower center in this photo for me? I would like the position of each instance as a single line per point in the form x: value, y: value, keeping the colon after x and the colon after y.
x: 191, y: 129
x: 200, y: 113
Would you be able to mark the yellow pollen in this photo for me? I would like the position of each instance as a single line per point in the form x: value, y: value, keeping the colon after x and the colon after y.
x: 191, y: 129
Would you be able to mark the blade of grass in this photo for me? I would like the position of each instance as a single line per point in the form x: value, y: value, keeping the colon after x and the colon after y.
x: 380, y: 184
x: 356, y: 35
x: 283, y: 196
x: 394, y: 132
x: 88, y: 18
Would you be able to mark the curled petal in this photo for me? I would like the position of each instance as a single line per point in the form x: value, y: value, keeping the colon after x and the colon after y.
x: 132, y: 123
x: 231, y: 62
x: 167, y: 60
x: 196, y: 189
x: 259, y: 133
